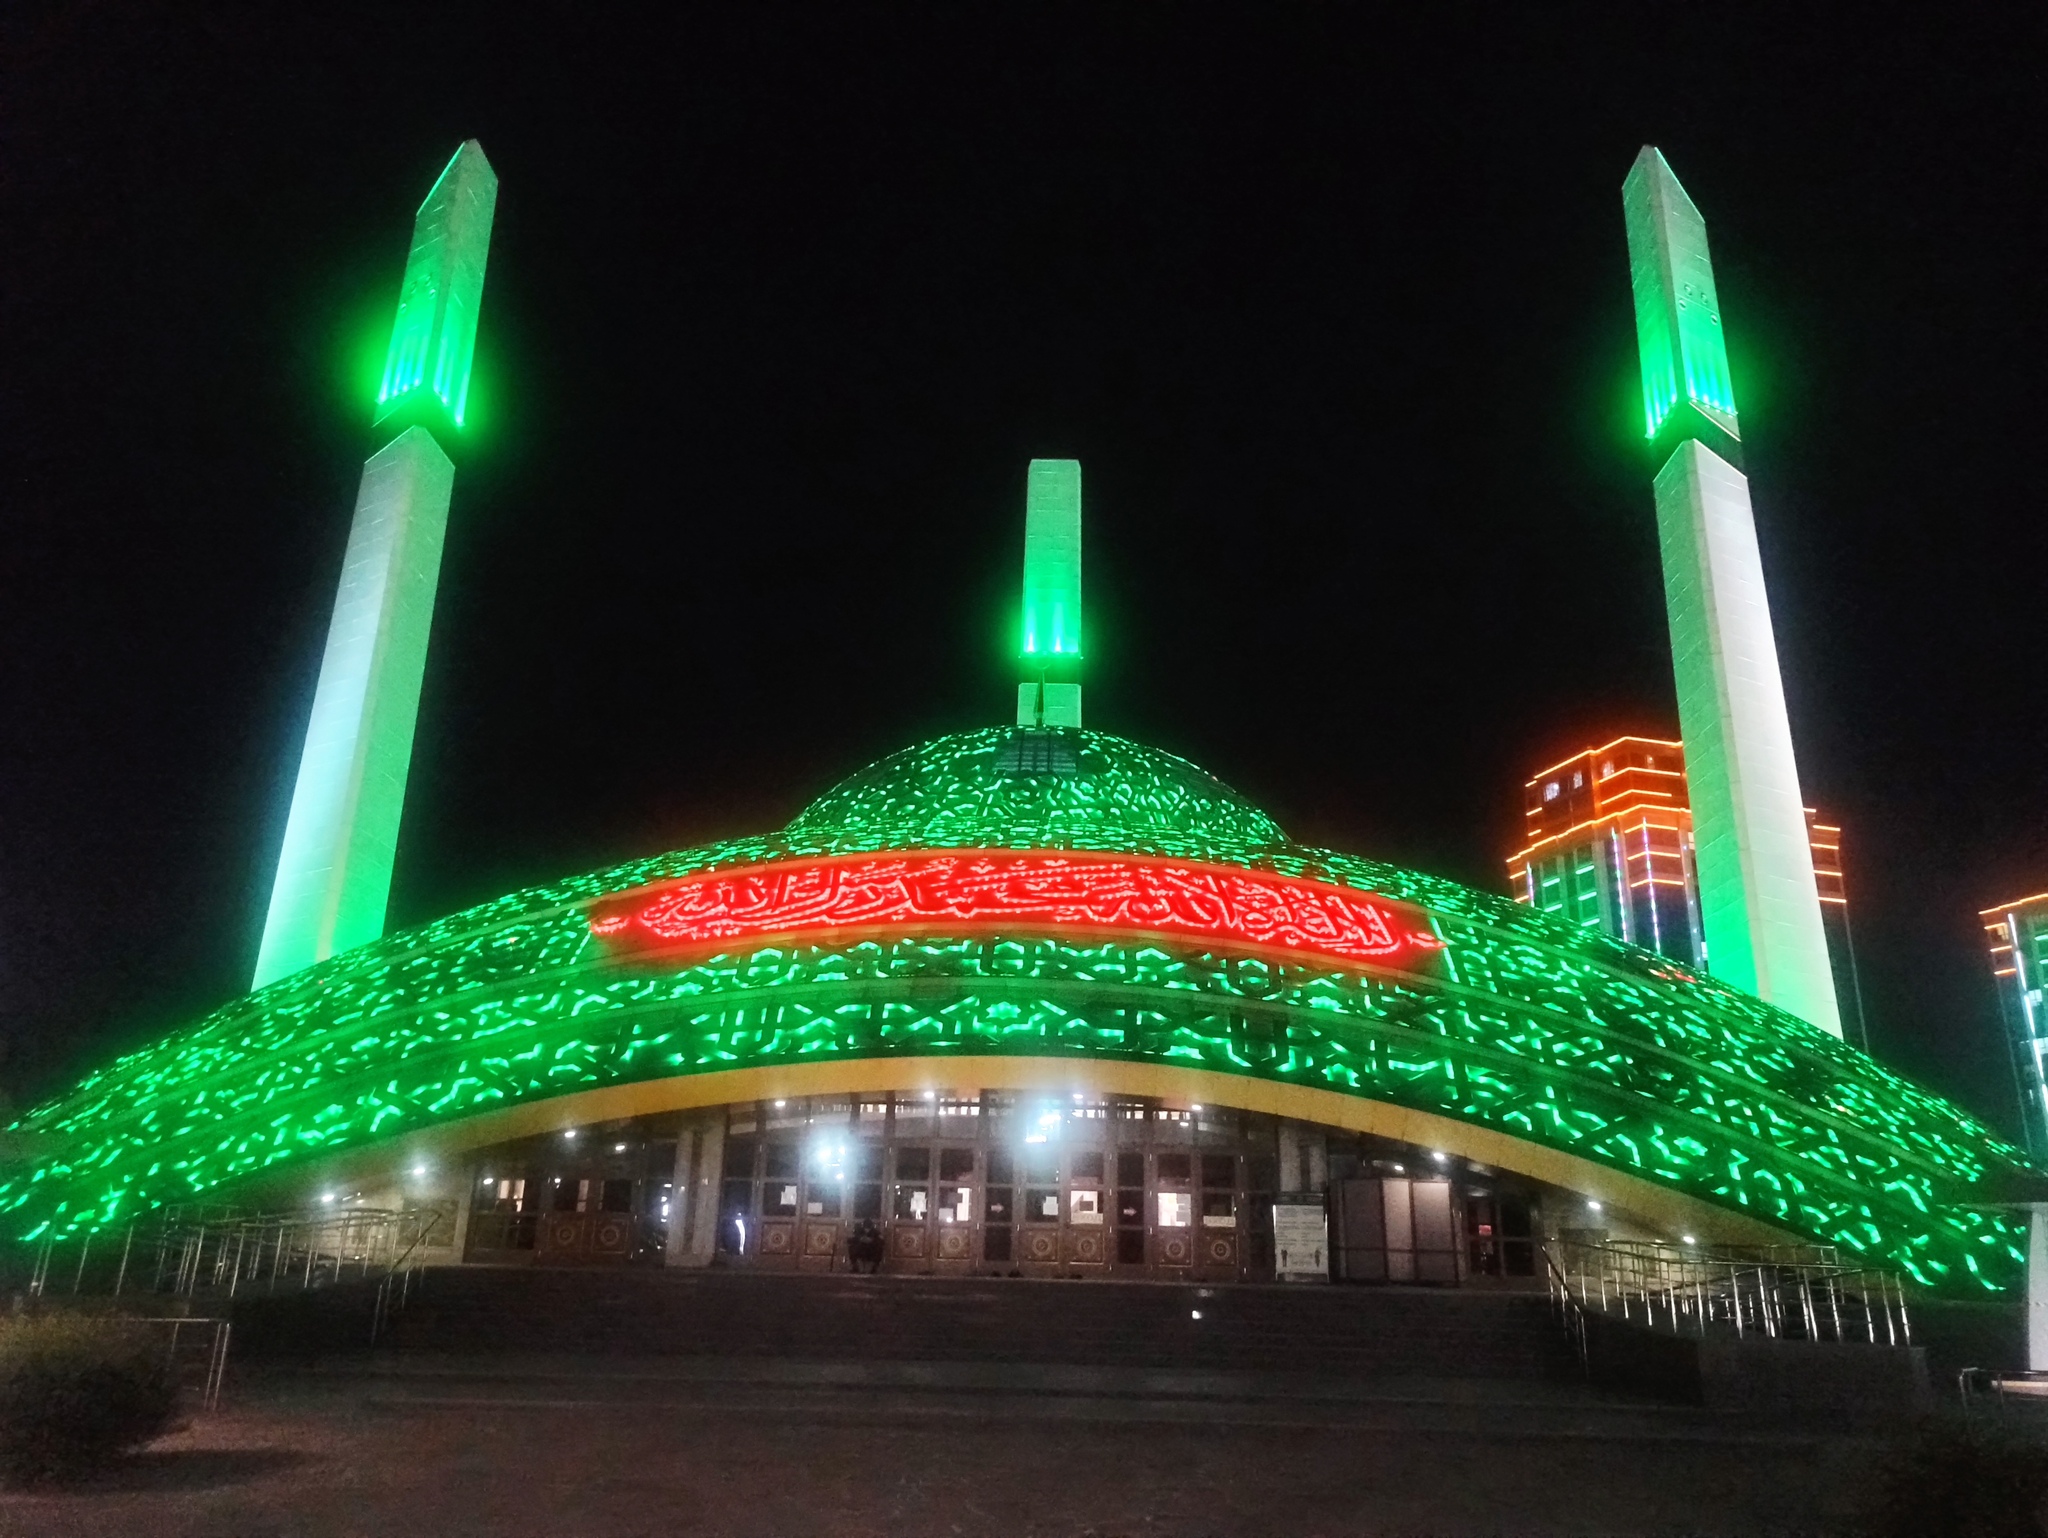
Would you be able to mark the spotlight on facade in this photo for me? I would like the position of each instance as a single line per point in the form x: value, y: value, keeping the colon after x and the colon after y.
x: 1441, y: 1158
x: 570, y: 1134
x: 327, y: 1198
x: 1593, y: 1207
x: 618, y: 1148
x: 418, y: 1170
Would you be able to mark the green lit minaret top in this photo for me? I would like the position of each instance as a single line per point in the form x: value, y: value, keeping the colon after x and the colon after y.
x: 1678, y: 313
x: 1049, y: 645
x: 433, y: 339
x: 1052, y: 561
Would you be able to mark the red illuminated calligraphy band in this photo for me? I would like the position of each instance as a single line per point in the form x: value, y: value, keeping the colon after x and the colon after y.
x: 966, y: 893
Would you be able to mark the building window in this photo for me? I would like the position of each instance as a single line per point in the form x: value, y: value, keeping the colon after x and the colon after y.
x: 1550, y: 791
x: 956, y: 1164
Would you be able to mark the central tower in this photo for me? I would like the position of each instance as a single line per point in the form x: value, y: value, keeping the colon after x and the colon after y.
x: 1759, y: 902
x: 1049, y: 649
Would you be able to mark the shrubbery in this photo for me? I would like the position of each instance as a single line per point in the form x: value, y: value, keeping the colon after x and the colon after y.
x: 76, y: 1392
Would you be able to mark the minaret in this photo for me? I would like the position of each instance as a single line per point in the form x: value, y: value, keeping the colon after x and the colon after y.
x: 1759, y: 905
x: 334, y: 874
x: 1049, y: 693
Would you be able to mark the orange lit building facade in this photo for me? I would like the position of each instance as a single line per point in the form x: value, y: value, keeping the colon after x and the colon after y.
x: 2017, y: 933
x: 1608, y: 843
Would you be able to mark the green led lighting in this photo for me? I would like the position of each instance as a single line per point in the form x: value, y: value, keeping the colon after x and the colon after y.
x: 1535, y: 1027
x: 433, y: 338
x: 1052, y: 560
x: 1679, y: 336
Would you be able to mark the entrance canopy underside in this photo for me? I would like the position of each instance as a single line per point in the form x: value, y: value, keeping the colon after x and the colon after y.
x: 1655, y: 1205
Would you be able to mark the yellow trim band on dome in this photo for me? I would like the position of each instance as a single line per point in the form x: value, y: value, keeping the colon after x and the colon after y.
x: 1654, y: 1205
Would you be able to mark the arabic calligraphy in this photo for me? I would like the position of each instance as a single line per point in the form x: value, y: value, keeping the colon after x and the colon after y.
x: 974, y: 891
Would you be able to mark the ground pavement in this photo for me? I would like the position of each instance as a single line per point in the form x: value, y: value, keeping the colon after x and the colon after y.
x: 451, y: 1447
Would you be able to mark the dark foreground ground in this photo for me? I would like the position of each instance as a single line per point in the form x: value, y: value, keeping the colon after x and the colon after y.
x: 566, y: 1404
x: 733, y: 1448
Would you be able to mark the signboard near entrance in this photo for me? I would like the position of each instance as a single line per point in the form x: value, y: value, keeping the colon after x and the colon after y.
x: 1301, y: 1242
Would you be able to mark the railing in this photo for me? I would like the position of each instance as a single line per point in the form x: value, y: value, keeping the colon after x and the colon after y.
x: 192, y: 1251
x: 395, y: 1290
x: 2002, y: 1388
x: 1570, y: 1312
x: 196, y: 1349
x: 1783, y: 1292
x: 221, y: 1253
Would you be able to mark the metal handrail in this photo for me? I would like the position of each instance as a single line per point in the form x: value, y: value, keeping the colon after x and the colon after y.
x: 401, y: 1269
x: 200, y: 1250
x: 1570, y: 1311
x: 216, y: 1352
x: 1973, y: 1383
x: 1781, y: 1292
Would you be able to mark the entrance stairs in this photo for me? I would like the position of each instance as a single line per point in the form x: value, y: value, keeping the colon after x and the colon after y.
x: 1347, y: 1332
x: 812, y: 1350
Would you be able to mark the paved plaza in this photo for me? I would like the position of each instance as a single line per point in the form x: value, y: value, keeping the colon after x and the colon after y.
x: 744, y: 1449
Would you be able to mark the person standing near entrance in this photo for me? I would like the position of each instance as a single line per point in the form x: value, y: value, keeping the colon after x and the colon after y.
x: 865, y: 1244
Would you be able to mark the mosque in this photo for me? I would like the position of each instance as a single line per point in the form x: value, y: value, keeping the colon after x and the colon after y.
x: 1034, y: 999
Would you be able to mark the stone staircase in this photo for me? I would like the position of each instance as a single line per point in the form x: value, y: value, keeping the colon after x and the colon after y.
x: 1350, y: 1332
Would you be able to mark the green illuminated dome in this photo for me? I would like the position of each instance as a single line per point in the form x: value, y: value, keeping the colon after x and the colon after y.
x: 1506, y: 1035
x: 1056, y: 788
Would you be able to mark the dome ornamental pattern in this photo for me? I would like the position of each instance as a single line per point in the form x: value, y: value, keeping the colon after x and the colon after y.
x: 1014, y: 788
x: 1045, y: 895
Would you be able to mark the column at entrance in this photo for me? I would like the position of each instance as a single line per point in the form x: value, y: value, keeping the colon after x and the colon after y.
x: 693, y: 1199
x: 465, y: 1192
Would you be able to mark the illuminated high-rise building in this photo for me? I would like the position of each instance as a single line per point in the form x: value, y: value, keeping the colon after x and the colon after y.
x: 1608, y: 843
x: 2017, y: 932
x: 1760, y: 908
x: 334, y: 872
x: 1049, y: 648
x: 1824, y: 841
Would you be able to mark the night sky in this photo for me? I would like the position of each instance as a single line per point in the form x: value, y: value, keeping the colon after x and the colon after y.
x: 1337, y: 320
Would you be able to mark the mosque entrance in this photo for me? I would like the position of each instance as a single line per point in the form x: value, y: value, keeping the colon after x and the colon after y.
x: 1000, y: 1184
x: 996, y: 1183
